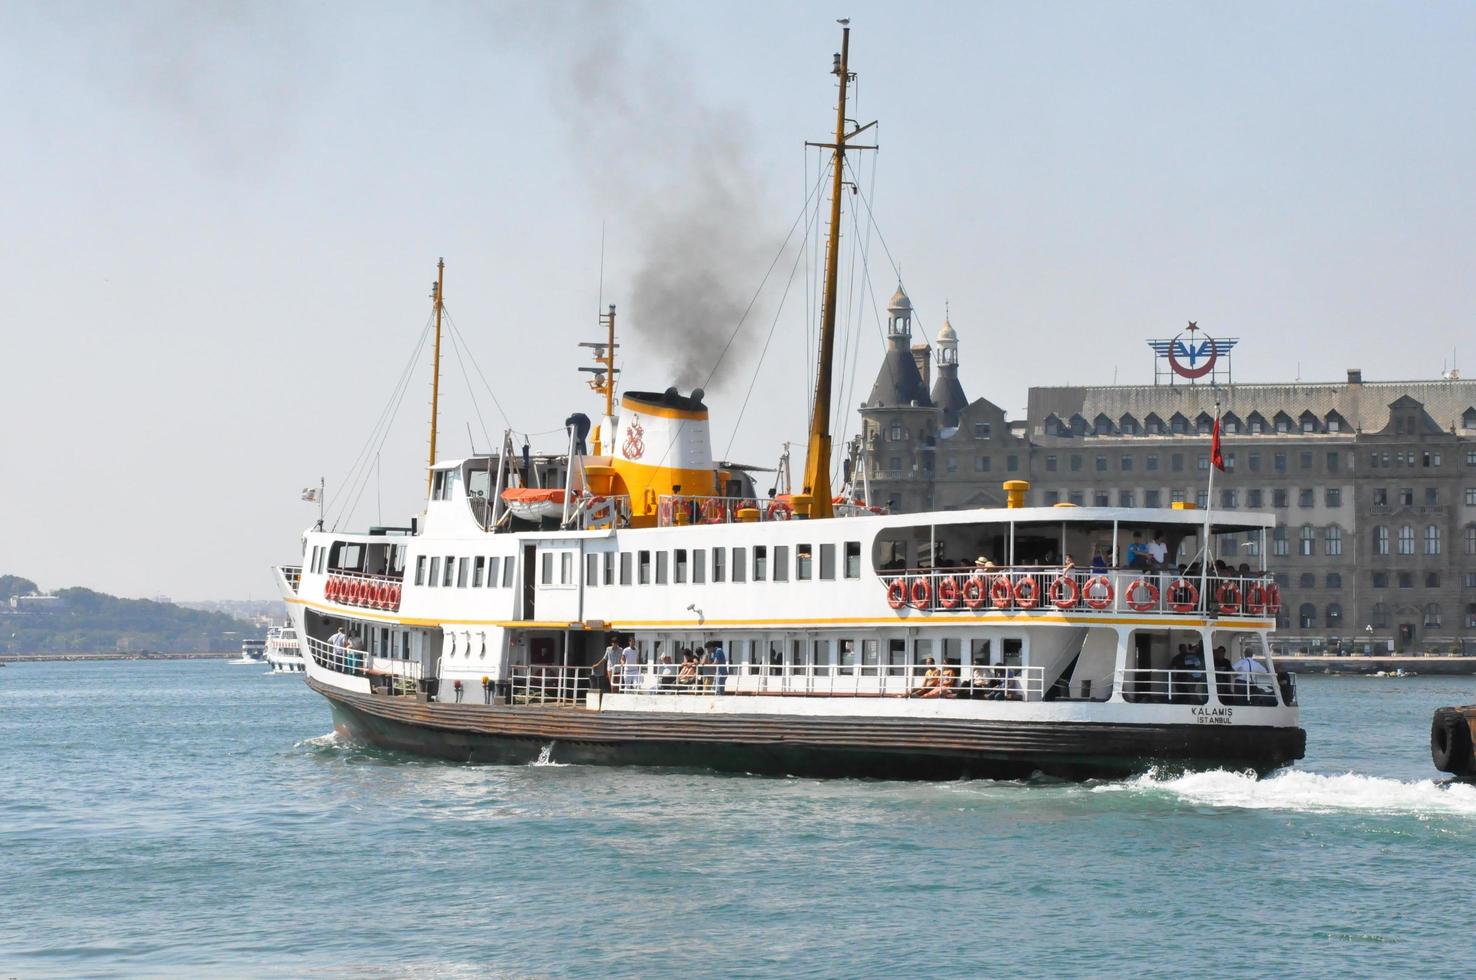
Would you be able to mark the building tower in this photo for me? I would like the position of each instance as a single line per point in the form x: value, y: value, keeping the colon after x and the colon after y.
x: 948, y: 394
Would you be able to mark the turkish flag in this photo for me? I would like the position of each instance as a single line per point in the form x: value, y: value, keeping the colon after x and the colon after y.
x: 1217, y: 457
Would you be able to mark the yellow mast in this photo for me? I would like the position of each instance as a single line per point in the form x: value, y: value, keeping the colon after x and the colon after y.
x: 814, y: 500
x: 603, y: 381
x: 436, y: 374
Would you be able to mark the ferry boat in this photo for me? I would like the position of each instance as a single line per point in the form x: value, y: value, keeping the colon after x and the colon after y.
x: 283, y: 652
x: 799, y: 634
x: 253, y: 651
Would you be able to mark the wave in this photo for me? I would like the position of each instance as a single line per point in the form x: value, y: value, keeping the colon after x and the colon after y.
x: 328, y: 740
x: 1308, y: 792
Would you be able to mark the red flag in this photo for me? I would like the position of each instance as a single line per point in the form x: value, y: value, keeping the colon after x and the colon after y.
x: 1217, y: 457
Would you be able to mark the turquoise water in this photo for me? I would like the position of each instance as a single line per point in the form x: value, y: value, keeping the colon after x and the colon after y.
x: 194, y: 818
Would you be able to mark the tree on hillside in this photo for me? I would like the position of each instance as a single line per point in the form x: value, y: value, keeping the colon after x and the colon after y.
x: 15, y: 585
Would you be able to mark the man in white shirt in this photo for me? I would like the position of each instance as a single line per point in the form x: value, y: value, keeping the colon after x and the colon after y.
x: 1158, y: 550
x: 1246, y: 669
x: 630, y: 669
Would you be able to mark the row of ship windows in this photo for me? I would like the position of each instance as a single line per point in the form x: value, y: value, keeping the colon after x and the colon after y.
x: 867, y: 653
x: 452, y: 572
x: 760, y: 563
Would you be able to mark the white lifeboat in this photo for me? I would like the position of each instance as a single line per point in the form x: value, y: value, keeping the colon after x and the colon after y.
x: 534, y: 503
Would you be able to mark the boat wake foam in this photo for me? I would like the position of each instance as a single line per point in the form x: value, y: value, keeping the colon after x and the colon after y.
x: 328, y: 740
x: 545, y: 757
x: 1308, y: 792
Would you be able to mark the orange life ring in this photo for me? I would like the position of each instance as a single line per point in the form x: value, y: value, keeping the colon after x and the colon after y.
x: 1255, y: 599
x: 897, y: 593
x: 384, y: 596
x: 948, y: 592
x: 975, y: 590
x: 1064, y: 592
x: 1023, y: 598
x: 395, y: 596
x: 712, y: 511
x: 921, y: 592
x: 1228, y: 596
x: 1000, y: 592
x: 1102, y: 600
x: 328, y: 588
x: 1273, y: 598
x: 1141, y: 585
x: 779, y: 511
x: 1181, y: 587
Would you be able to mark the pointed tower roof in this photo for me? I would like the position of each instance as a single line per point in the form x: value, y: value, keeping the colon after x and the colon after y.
x: 948, y: 394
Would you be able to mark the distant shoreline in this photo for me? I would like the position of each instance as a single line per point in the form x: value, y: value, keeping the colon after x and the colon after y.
x: 1361, y: 664
x: 6, y: 658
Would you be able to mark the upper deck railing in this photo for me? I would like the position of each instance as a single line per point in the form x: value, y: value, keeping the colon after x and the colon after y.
x: 1080, y: 592
x: 363, y: 590
x: 291, y: 574
x: 678, y: 510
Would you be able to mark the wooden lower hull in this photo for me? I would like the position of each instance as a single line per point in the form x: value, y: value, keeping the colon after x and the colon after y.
x: 804, y: 746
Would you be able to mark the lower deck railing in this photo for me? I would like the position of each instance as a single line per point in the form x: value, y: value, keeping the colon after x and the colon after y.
x: 393, y: 676
x: 1232, y: 687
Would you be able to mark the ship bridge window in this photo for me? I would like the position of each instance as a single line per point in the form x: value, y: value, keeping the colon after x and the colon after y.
x: 804, y: 562
x: 643, y: 567
x: 625, y: 568
x: 461, y: 571
x: 760, y: 563
x: 699, y: 566
x: 827, y: 562
x: 546, y: 562
x: 479, y: 572
x: 662, y: 559
x: 781, y: 563
x: 719, y: 564
x: 435, y: 572
x: 679, y: 566
x: 853, y: 559
x: 420, y: 570
x: 507, y: 571
x: 566, y: 568
x: 450, y: 571
x: 492, y: 571
x: 740, y: 564
x: 591, y: 570
x: 607, y: 565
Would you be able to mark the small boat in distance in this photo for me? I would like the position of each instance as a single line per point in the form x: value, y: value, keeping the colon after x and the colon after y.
x: 648, y: 607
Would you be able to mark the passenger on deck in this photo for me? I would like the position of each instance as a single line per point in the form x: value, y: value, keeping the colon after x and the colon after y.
x: 1099, y: 561
x: 1186, y: 675
x: 930, y: 679
x: 667, y: 673
x: 687, y: 674
x: 1158, y: 551
x: 604, y: 668
x: 943, y: 686
x: 338, y: 639
x: 719, y: 661
x: 984, y: 563
x: 630, y: 669
x: 1246, y: 681
x: 1137, y: 553
x: 351, y: 658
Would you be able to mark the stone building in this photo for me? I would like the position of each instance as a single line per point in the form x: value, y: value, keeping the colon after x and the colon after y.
x: 1373, y: 483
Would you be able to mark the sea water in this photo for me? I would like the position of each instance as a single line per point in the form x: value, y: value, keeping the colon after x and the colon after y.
x: 201, y: 819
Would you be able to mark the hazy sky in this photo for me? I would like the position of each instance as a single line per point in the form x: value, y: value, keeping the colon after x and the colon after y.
x: 220, y: 222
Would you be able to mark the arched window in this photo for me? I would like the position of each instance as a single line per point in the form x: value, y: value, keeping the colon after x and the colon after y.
x: 1334, y: 615
x: 1380, y: 615
x: 1278, y: 540
x: 1406, y: 540
x: 1332, y: 540
x: 1432, y: 614
x: 1380, y: 540
x: 1468, y: 419
x: 1306, y: 616
x: 1308, y: 543
x: 1432, y: 539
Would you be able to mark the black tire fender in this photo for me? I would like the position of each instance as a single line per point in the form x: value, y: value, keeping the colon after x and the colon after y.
x: 1450, y: 742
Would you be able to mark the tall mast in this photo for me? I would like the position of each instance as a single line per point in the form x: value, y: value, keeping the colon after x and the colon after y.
x: 815, y: 498
x: 435, y: 374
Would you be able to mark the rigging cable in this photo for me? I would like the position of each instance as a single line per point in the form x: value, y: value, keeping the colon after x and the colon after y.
x: 739, y: 325
x: 478, y: 368
x: 359, y: 470
x: 887, y: 249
